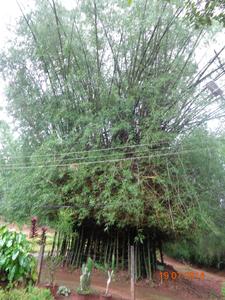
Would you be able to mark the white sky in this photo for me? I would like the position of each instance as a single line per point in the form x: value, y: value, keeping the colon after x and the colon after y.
x: 9, y: 13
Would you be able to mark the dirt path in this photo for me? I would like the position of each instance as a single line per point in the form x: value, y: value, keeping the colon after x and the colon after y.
x: 210, y: 286
x: 121, y: 287
x: 179, y: 289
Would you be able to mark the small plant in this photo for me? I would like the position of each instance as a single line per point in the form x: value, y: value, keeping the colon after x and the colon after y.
x: 43, y: 235
x: 24, y: 294
x: 64, y: 291
x: 65, y: 222
x: 110, y: 270
x: 34, y: 229
x: 223, y: 290
x: 85, y: 278
x: 53, y: 262
x: 17, y: 265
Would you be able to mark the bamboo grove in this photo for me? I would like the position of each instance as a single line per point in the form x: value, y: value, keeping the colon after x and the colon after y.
x: 91, y: 241
x: 110, y: 105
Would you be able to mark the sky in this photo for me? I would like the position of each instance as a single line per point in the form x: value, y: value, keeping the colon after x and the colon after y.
x: 10, y: 12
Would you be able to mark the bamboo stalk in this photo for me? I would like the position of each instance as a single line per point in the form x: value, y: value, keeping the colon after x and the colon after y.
x: 95, y: 249
x: 117, y: 251
x: 72, y: 249
x: 106, y: 251
x: 161, y: 252
x: 54, y: 242
x: 58, y: 244
x: 76, y: 244
x: 110, y: 251
x: 80, y: 245
x: 149, y: 259
x: 154, y: 255
x: 136, y: 262
x: 123, y: 253
x: 145, y: 262
x: 128, y: 251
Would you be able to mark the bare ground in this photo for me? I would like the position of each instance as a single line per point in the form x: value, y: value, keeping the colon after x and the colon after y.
x: 179, y: 289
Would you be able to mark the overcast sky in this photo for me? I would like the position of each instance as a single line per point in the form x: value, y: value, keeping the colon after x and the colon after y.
x: 10, y: 12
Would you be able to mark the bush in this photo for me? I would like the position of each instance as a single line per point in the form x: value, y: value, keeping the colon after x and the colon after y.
x: 17, y: 266
x: 180, y: 250
x: 85, y: 278
x: 64, y: 291
x: 22, y: 294
x: 205, y: 249
x: 223, y: 290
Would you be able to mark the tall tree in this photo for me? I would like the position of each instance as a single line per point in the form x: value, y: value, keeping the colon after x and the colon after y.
x: 104, y: 98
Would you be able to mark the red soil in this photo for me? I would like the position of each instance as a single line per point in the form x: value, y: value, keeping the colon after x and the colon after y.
x: 179, y: 289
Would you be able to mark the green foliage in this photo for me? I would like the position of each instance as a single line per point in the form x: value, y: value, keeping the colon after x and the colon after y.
x: 22, y: 294
x: 65, y: 221
x: 223, y: 290
x: 139, y: 238
x: 108, y: 117
x: 16, y: 263
x: 205, y: 183
x: 203, y: 248
x: 53, y: 262
x: 203, y: 14
x: 85, y: 278
x: 87, y: 292
x: 106, y: 267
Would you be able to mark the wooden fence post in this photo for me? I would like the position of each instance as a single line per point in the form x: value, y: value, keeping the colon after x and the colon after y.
x: 132, y: 284
x: 40, y: 260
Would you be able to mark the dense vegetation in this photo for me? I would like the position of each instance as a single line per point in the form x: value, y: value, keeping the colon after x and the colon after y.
x: 111, y: 116
x: 17, y: 266
x: 202, y: 13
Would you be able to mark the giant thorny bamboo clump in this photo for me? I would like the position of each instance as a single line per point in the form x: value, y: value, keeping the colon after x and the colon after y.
x: 104, y: 96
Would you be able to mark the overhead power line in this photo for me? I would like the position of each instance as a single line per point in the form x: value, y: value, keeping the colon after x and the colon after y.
x: 104, y: 161
x: 94, y: 150
x: 113, y: 155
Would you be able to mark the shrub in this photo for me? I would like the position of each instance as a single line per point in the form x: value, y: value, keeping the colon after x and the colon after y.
x: 85, y: 278
x: 223, y: 290
x: 53, y: 262
x: 22, y: 294
x: 203, y: 248
x: 17, y: 266
x: 63, y: 290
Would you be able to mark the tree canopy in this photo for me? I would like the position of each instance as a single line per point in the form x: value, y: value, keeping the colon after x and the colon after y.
x: 203, y: 13
x: 110, y: 105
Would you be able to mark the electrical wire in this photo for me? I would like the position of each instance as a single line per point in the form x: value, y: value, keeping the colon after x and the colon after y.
x: 94, y: 150
x: 158, y: 150
x: 94, y: 157
x: 103, y: 161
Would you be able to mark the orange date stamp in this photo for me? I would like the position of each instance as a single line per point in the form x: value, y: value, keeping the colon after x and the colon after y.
x: 186, y: 275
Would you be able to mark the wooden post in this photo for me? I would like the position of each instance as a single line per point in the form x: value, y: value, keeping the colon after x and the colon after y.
x: 40, y: 260
x: 161, y: 252
x: 132, y: 285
